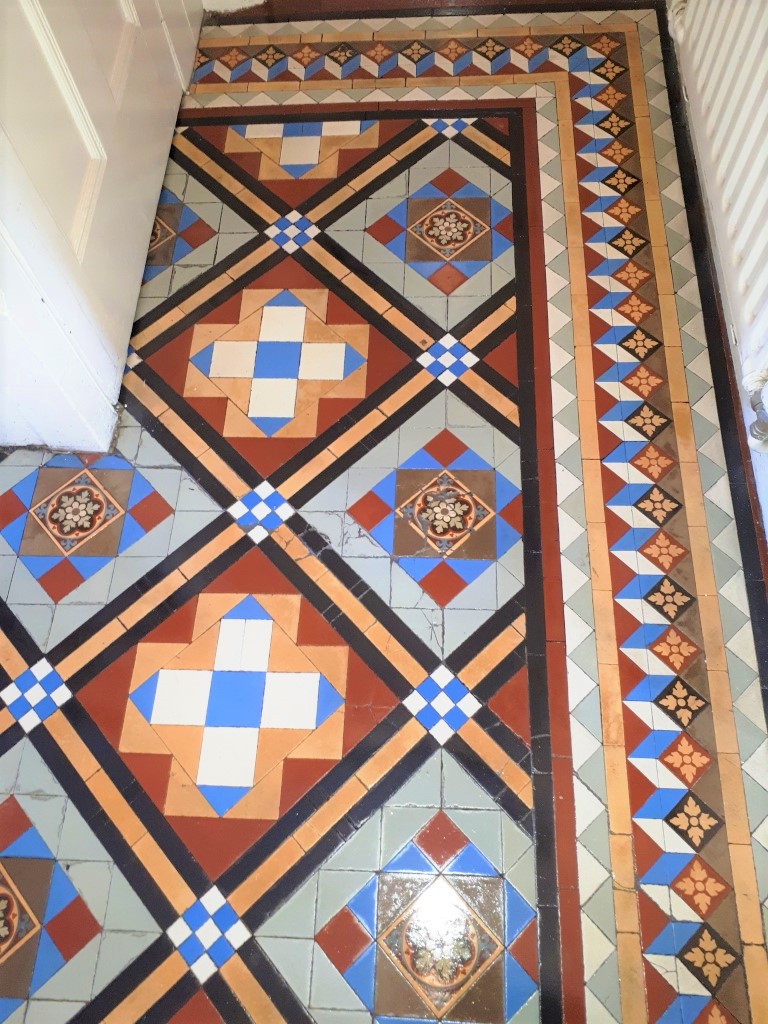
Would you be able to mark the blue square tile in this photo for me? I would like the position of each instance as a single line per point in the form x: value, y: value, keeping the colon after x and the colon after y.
x: 278, y: 359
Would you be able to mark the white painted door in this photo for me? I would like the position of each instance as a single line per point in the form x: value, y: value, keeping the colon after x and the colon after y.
x: 89, y: 91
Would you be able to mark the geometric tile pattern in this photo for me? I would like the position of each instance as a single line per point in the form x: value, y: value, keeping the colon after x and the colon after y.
x: 262, y: 510
x: 459, y: 733
x: 277, y: 363
x: 447, y: 359
x: 46, y: 922
x: 35, y: 695
x: 439, y: 530
x: 442, y: 704
x: 368, y: 939
x: 441, y: 233
x: 192, y: 231
x: 207, y: 934
x: 232, y: 709
x: 77, y: 530
x: 71, y: 920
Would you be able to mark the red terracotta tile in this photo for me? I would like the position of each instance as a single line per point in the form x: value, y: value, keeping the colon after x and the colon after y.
x: 10, y: 508
x: 151, y: 511
x: 440, y: 839
x: 384, y: 230
x: 72, y: 928
x: 61, y: 580
x: 369, y: 510
x: 442, y: 584
x: 445, y: 447
x: 510, y: 703
x: 449, y: 181
x: 525, y: 949
x: 447, y: 279
x: 13, y: 821
x: 199, y: 1010
x: 343, y: 939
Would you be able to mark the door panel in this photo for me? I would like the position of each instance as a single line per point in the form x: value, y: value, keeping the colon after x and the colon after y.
x: 90, y: 96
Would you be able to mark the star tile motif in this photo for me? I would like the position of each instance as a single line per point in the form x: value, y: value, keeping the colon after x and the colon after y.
x: 448, y: 359
x: 709, y: 958
x: 669, y: 598
x: 681, y: 702
x: 694, y: 820
x: 261, y: 511
x: 686, y: 759
x: 293, y: 231
x: 442, y: 704
x: 702, y: 888
x: 207, y: 934
x: 35, y: 695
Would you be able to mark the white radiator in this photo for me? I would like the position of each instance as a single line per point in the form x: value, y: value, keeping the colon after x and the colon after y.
x: 723, y: 51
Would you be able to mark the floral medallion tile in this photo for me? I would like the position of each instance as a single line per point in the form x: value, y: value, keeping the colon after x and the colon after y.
x: 431, y: 519
x: 70, y: 921
x: 431, y: 925
x: 77, y: 530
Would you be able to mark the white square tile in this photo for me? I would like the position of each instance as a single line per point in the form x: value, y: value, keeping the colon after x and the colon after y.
x: 227, y: 757
x: 213, y: 900
x: 35, y: 694
x: 181, y: 697
x: 233, y: 359
x: 290, y: 700
x: 283, y: 323
x: 341, y: 128
x: 179, y: 931
x: 243, y: 645
x: 273, y: 397
x: 208, y: 933
x: 300, y: 149
x: 204, y: 968
x: 263, y: 131
x: 323, y: 361
x: 442, y: 703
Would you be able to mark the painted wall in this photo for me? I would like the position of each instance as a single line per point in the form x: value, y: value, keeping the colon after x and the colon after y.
x: 85, y: 131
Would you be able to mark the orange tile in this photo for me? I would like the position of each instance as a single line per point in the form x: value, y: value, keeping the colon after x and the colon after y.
x: 313, y: 830
x: 265, y: 876
x: 183, y: 433
x: 70, y: 744
x: 407, y: 327
x: 149, y: 601
x: 210, y: 551
x: 395, y: 654
x: 170, y: 881
x: 151, y: 402
x: 88, y: 651
x: 376, y: 767
x: 10, y: 659
x: 140, y: 1001
x: 249, y: 992
x: 116, y: 807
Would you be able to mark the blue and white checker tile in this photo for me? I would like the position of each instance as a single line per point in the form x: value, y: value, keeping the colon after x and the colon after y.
x: 261, y: 511
x: 208, y: 934
x: 293, y: 231
x: 35, y: 695
x: 449, y: 126
x: 447, y: 359
x: 442, y: 704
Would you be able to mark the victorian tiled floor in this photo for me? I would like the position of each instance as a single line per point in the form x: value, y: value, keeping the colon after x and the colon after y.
x: 402, y: 661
